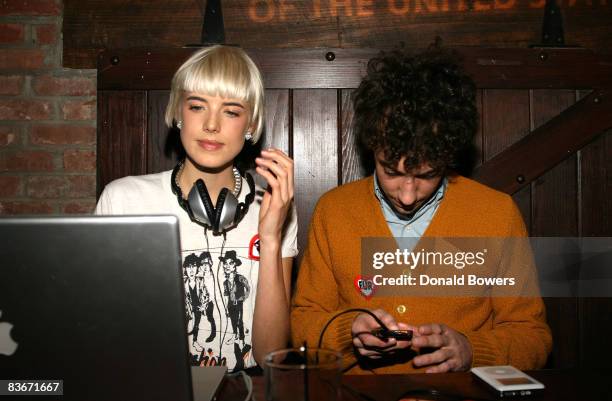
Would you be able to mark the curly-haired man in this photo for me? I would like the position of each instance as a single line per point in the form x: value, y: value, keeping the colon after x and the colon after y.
x: 416, y: 116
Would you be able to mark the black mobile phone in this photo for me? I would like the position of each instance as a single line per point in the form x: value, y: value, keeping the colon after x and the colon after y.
x: 401, y: 335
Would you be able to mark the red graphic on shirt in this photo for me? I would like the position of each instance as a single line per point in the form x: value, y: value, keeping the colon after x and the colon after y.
x: 254, y: 248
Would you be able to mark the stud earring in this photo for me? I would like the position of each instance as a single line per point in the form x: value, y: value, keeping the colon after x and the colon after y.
x: 179, y: 124
x: 248, y: 136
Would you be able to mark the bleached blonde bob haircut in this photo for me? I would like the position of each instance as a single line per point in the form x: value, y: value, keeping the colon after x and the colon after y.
x: 219, y: 71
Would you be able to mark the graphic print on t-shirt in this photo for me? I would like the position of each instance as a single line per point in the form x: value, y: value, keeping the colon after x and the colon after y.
x: 217, y: 285
x: 254, y: 247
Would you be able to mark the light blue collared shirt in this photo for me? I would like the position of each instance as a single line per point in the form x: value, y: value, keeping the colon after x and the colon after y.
x: 412, y: 229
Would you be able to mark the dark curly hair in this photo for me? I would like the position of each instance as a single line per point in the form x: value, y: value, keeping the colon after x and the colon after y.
x: 421, y: 107
x: 192, y: 259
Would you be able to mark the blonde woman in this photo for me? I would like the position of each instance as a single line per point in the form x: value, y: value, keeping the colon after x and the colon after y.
x: 216, y: 101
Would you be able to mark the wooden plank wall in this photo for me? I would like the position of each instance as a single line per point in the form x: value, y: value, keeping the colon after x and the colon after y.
x: 314, y: 127
x: 92, y: 25
x: 122, y: 134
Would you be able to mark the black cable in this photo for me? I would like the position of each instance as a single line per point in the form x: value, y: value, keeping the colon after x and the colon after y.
x: 348, y: 311
x: 441, y: 395
x: 221, y: 332
x: 417, y: 392
x: 248, y: 383
x: 340, y: 314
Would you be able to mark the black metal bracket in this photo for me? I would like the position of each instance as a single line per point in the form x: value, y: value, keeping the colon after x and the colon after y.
x: 213, y: 29
x: 552, y: 26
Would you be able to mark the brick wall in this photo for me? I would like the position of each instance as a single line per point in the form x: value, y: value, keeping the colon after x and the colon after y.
x: 47, y: 116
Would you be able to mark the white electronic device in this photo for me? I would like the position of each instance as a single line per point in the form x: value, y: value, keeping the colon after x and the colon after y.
x: 508, y: 381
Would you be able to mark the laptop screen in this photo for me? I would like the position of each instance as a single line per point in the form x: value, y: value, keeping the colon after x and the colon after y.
x: 96, y: 302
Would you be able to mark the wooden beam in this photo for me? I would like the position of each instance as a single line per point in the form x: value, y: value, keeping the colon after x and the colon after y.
x: 281, y: 68
x: 561, y: 137
x: 343, y: 68
x: 537, y: 68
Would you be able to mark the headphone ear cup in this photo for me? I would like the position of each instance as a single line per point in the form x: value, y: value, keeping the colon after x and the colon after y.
x: 205, y: 196
x: 219, y: 210
x: 227, y: 210
x: 200, y: 204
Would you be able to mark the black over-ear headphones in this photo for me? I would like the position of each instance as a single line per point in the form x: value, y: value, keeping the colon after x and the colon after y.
x: 224, y: 215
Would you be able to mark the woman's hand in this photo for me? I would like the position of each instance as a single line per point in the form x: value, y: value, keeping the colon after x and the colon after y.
x: 277, y: 168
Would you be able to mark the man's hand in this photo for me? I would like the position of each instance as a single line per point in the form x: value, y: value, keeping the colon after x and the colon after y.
x: 453, y: 351
x: 370, y: 346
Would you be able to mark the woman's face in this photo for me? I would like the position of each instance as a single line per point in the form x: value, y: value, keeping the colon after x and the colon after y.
x: 191, y: 270
x: 213, y: 129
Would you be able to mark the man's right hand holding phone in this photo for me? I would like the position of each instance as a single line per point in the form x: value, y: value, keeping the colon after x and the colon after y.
x: 448, y: 349
x: 374, y: 346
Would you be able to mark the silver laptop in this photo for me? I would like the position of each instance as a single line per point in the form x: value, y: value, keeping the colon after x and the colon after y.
x: 98, y: 303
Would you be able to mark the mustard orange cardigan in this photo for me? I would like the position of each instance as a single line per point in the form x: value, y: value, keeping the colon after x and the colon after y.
x: 500, y: 330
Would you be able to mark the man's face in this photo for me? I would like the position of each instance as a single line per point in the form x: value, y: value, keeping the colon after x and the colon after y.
x: 191, y: 270
x: 207, y: 265
x: 229, y: 266
x: 407, y: 191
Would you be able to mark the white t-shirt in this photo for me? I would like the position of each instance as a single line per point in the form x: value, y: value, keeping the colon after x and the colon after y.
x: 220, y: 300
